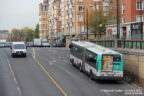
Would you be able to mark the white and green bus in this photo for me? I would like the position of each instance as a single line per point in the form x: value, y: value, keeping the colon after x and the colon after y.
x: 97, y: 61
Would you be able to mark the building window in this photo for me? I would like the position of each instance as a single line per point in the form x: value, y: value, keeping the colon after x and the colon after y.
x: 139, y: 5
x: 80, y: 18
x: 80, y: 8
x: 138, y: 18
x: 123, y: 19
x: 80, y: 0
x: 43, y: 13
x: 44, y: 19
x: 43, y: 25
x: 123, y: 8
x: 59, y: 11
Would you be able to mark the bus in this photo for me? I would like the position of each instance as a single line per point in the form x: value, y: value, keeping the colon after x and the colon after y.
x: 99, y: 62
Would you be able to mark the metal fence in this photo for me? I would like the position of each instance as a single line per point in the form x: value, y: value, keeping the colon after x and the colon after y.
x: 133, y: 44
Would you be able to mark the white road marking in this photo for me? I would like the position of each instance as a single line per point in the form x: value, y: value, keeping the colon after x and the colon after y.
x: 53, y: 61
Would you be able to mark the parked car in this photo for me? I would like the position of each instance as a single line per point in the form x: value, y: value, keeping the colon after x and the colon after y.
x: 7, y: 44
x: 45, y: 44
x: 52, y: 44
x: 58, y: 45
x: 2, y: 44
x: 18, y: 49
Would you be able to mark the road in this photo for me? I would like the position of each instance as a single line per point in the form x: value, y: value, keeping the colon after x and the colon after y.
x: 48, y: 72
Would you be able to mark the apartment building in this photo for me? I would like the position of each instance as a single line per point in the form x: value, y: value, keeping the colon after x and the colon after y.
x: 43, y: 18
x: 67, y: 17
x: 5, y: 35
x: 131, y: 27
x: 54, y: 19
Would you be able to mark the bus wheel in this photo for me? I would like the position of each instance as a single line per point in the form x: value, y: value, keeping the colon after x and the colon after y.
x: 91, y: 75
x: 72, y: 63
x: 80, y: 68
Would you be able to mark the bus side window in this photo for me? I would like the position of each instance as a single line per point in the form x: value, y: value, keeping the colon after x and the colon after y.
x: 91, y: 58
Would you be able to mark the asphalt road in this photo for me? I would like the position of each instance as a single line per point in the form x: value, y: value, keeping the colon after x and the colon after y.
x: 48, y: 72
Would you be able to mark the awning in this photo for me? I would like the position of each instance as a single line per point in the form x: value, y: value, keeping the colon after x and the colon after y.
x: 76, y: 37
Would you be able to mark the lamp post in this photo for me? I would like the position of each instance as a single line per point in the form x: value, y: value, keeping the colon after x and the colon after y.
x: 79, y: 22
x: 118, y: 21
x: 87, y: 23
x: 141, y: 16
x: 96, y: 17
x: 56, y: 29
x: 84, y: 22
x: 69, y: 25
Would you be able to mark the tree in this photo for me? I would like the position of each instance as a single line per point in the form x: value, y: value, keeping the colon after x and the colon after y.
x: 24, y: 34
x: 16, y: 34
x: 97, y: 22
x: 29, y: 33
x: 36, y: 33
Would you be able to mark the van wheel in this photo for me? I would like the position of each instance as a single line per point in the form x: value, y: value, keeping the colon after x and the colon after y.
x: 12, y: 55
x: 91, y: 75
x: 71, y: 60
x: 80, y: 68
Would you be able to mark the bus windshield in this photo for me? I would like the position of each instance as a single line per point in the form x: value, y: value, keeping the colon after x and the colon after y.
x: 116, y: 58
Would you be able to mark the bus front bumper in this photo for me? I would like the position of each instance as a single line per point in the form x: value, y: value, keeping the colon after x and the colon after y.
x: 107, y: 78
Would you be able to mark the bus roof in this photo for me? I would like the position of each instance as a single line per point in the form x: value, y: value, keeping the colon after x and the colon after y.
x: 94, y: 47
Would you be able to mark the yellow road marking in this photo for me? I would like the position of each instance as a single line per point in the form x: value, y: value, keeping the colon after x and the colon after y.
x: 11, y: 71
x: 18, y: 88
x: 14, y: 79
x: 46, y: 72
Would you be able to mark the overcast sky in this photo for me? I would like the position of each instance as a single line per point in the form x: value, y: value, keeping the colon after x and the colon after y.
x: 19, y: 13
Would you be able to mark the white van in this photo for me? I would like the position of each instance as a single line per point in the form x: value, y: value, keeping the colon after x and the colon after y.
x: 18, y: 49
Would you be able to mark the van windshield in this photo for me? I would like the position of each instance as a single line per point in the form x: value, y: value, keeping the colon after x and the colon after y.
x: 19, y: 46
x: 45, y: 41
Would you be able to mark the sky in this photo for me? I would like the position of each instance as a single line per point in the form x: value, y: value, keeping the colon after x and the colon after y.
x: 19, y: 13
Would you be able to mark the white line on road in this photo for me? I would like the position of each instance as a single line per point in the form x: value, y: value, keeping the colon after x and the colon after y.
x: 53, y: 61
x: 14, y: 78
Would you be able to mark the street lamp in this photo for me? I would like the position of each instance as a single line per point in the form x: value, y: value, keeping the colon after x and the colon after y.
x: 80, y: 24
x: 118, y: 21
x: 141, y: 16
x: 87, y: 23
x: 96, y: 17
x: 56, y: 29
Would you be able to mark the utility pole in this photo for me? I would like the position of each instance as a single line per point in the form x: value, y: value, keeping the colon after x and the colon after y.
x: 96, y: 18
x: 80, y: 32
x: 87, y: 24
x: 69, y: 23
x: 69, y: 28
x: 84, y: 22
x: 141, y: 16
x: 118, y: 21
x: 56, y: 29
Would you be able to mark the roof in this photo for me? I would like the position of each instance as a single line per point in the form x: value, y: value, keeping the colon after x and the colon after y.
x: 94, y: 47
